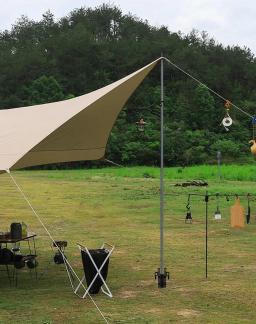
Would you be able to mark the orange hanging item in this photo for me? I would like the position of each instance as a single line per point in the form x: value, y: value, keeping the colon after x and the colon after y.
x: 237, y: 215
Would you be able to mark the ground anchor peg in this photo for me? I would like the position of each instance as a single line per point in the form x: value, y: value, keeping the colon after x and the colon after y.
x: 162, y: 277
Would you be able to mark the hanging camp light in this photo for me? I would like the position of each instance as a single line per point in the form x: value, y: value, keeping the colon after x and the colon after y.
x: 141, y: 125
x: 188, y: 218
x: 217, y: 214
x: 253, y: 142
x: 227, y: 120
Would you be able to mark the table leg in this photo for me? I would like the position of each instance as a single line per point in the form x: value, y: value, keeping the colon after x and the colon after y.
x: 8, y: 273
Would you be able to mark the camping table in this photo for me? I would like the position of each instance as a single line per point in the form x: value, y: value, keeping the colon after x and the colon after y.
x: 30, y: 239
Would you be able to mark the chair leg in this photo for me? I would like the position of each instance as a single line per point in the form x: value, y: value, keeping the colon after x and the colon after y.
x: 79, y: 285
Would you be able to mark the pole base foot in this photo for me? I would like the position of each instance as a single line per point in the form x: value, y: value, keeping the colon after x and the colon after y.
x: 162, y: 277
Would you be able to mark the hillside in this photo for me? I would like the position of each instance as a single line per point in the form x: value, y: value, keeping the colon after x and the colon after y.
x: 49, y: 60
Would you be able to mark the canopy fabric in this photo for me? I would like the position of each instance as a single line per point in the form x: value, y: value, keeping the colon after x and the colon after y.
x: 71, y: 130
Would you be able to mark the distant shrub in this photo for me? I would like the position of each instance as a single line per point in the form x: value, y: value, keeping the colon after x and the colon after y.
x: 147, y: 175
x: 227, y: 147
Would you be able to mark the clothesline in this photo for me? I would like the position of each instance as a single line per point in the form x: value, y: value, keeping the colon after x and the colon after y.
x: 212, y: 195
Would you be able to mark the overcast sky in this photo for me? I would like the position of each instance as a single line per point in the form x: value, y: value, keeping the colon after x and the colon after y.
x: 231, y: 22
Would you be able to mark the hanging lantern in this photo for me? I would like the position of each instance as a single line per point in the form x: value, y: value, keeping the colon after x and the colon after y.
x: 217, y: 214
x: 141, y: 125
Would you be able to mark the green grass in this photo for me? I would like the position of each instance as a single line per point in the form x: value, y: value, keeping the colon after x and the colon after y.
x: 121, y: 206
x: 207, y: 172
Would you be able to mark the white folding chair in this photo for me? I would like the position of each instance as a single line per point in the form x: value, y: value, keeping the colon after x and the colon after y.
x: 81, y: 285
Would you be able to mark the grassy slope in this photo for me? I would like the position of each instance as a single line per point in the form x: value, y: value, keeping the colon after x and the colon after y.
x: 122, y: 207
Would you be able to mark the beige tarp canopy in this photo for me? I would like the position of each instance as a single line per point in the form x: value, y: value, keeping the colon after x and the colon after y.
x: 70, y: 130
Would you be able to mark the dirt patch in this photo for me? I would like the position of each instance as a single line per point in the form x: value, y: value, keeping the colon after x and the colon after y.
x: 187, y: 313
x: 120, y: 252
x: 145, y: 283
x: 128, y: 294
x: 138, y: 207
x: 154, y: 310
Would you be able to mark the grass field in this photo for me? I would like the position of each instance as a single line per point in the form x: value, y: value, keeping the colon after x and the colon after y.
x: 121, y: 206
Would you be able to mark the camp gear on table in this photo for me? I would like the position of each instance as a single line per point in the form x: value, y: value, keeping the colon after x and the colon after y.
x: 24, y: 229
x: 16, y: 231
x: 6, y: 256
x: 14, y: 256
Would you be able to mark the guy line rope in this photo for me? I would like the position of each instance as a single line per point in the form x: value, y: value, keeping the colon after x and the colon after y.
x: 211, y: 90
x: 51, y: 237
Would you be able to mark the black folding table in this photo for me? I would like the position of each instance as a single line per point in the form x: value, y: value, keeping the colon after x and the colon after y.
x: 5, y: 241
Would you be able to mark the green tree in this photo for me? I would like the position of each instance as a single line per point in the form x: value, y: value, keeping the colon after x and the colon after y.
x: 92, y: 47
x: 203, y: 110
x: 227, y: 147
x: 43, y: 90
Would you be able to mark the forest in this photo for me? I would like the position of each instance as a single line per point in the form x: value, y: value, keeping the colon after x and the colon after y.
x: 51, y: 60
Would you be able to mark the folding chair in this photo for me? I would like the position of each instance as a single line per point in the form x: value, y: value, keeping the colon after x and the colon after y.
x: 98, y: 275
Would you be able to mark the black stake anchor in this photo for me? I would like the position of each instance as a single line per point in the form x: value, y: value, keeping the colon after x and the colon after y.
x: 162, y: 277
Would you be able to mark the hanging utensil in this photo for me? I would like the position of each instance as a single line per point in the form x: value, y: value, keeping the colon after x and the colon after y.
x: 188, y: 218
x: 248, y: 215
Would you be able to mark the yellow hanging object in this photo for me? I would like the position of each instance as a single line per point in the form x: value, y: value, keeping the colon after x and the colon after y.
x: 24, y: 229
x: 237, y: 215
x: 253, y: 147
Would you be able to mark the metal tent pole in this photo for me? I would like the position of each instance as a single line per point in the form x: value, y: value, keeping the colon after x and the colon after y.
x: 161, y: 274
x: 162, y: 174
x: 206, y: 234
x: 219, y: 164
